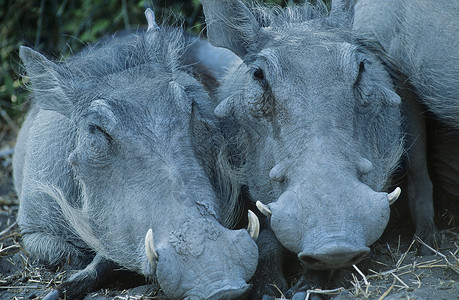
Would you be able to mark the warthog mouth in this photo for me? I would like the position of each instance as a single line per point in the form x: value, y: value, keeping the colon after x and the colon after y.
x: 228, y: 290
x: 333, y: 257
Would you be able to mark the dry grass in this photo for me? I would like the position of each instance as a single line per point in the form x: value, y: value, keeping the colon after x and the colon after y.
x: 407, y: 272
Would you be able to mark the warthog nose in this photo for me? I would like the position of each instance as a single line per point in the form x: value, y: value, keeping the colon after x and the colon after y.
x: 227, y: 291
x: 331, y: 257
x: 236, y: 293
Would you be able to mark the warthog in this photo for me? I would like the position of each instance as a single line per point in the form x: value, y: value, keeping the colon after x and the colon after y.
x: 319, y: 128
x: 420, y: 40
x: 117, y: 164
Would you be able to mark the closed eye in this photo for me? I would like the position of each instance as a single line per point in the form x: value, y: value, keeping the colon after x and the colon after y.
x: 95, y: 129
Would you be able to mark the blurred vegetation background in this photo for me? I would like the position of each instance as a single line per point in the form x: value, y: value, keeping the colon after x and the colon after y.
x: 59, y: 28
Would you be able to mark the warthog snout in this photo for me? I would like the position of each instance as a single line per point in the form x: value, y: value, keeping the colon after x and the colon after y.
x: 333, y: 255
x: 210, y: 248
x: 329, y: 230
x: 227, y: 291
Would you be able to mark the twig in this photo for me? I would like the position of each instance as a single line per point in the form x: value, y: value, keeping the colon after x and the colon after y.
x: 454, y: 256
x: 357, y: 286
x: 8, y: 228
x: 434, y: 266
x: 450, y: 265
x: 14, y: 234
x: 404, y: 255
x: 361, y: 274
x: 429, y: 262
x: 334, y: 291
x: 387, y: 291
x: 404, y: 273
x: 390, y: 271
x: 419, y: 280
x: 279, y: 290
x: 20, y: 287
x: 8, y: 248
x: 398, y: 278
x: 428, y: 247
x: 323, y: 292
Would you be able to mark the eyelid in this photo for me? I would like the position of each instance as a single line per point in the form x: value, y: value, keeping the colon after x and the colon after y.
x: 95, y: 128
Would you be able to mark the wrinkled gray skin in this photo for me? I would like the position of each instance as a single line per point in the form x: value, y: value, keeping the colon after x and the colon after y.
x: 120, y: 140
x: 320, y: 130
x: 421, y: 41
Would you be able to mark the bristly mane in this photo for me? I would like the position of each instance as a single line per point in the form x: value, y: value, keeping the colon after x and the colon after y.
x: 164, y: 46
x: 281, y: 17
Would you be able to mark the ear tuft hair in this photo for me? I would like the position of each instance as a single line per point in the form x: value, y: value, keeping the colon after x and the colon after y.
x: 231, y: 25
x: 46, y: 81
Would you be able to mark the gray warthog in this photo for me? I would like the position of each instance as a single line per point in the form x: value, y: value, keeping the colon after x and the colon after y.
x: 117, y: 165
x: 319, y: 126
x: 420, y: 39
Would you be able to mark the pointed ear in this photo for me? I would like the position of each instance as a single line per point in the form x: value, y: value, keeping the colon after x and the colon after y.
x: 231, y: 25
x: 46, y: 81
x: 342, y: 12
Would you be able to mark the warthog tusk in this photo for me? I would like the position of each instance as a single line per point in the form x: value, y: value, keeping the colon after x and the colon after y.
x: 254, y: 225
x: 264, y: 209
x: 392, y: 197
x: 152, y: 255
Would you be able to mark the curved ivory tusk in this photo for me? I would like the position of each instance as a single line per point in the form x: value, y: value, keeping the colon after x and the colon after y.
x: 254, y: 225
x: 392, y: 197
x: 152, y: 255
x: 264, y: 209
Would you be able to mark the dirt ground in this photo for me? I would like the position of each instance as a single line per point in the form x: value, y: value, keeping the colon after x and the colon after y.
x: 391, y: 271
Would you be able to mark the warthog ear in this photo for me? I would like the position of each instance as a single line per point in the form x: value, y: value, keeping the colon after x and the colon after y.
x: 231, y: 25
x: 150, y: 16
x: 46, y: 81
x: 342, y: 12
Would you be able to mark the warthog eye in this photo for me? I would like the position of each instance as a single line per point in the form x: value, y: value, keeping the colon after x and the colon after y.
x: 361, y: 70
x: 97, y: 150
x: 263, y: 103
x: 94, y: 129
x: 258, y: 74
x: 361, y: 66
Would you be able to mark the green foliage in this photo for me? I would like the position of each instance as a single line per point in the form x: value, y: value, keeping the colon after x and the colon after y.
x: 63, y: 27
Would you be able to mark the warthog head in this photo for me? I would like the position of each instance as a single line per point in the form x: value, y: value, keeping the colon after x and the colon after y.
x: 319, y: 121
x: 143, y: 148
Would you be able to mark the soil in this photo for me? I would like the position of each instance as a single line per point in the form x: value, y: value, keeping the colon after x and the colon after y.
x: 393, y: 270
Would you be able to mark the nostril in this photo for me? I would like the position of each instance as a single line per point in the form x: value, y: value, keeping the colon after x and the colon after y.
x: 308, y: 260
x: 231, y: 293
x: 332, y: 257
